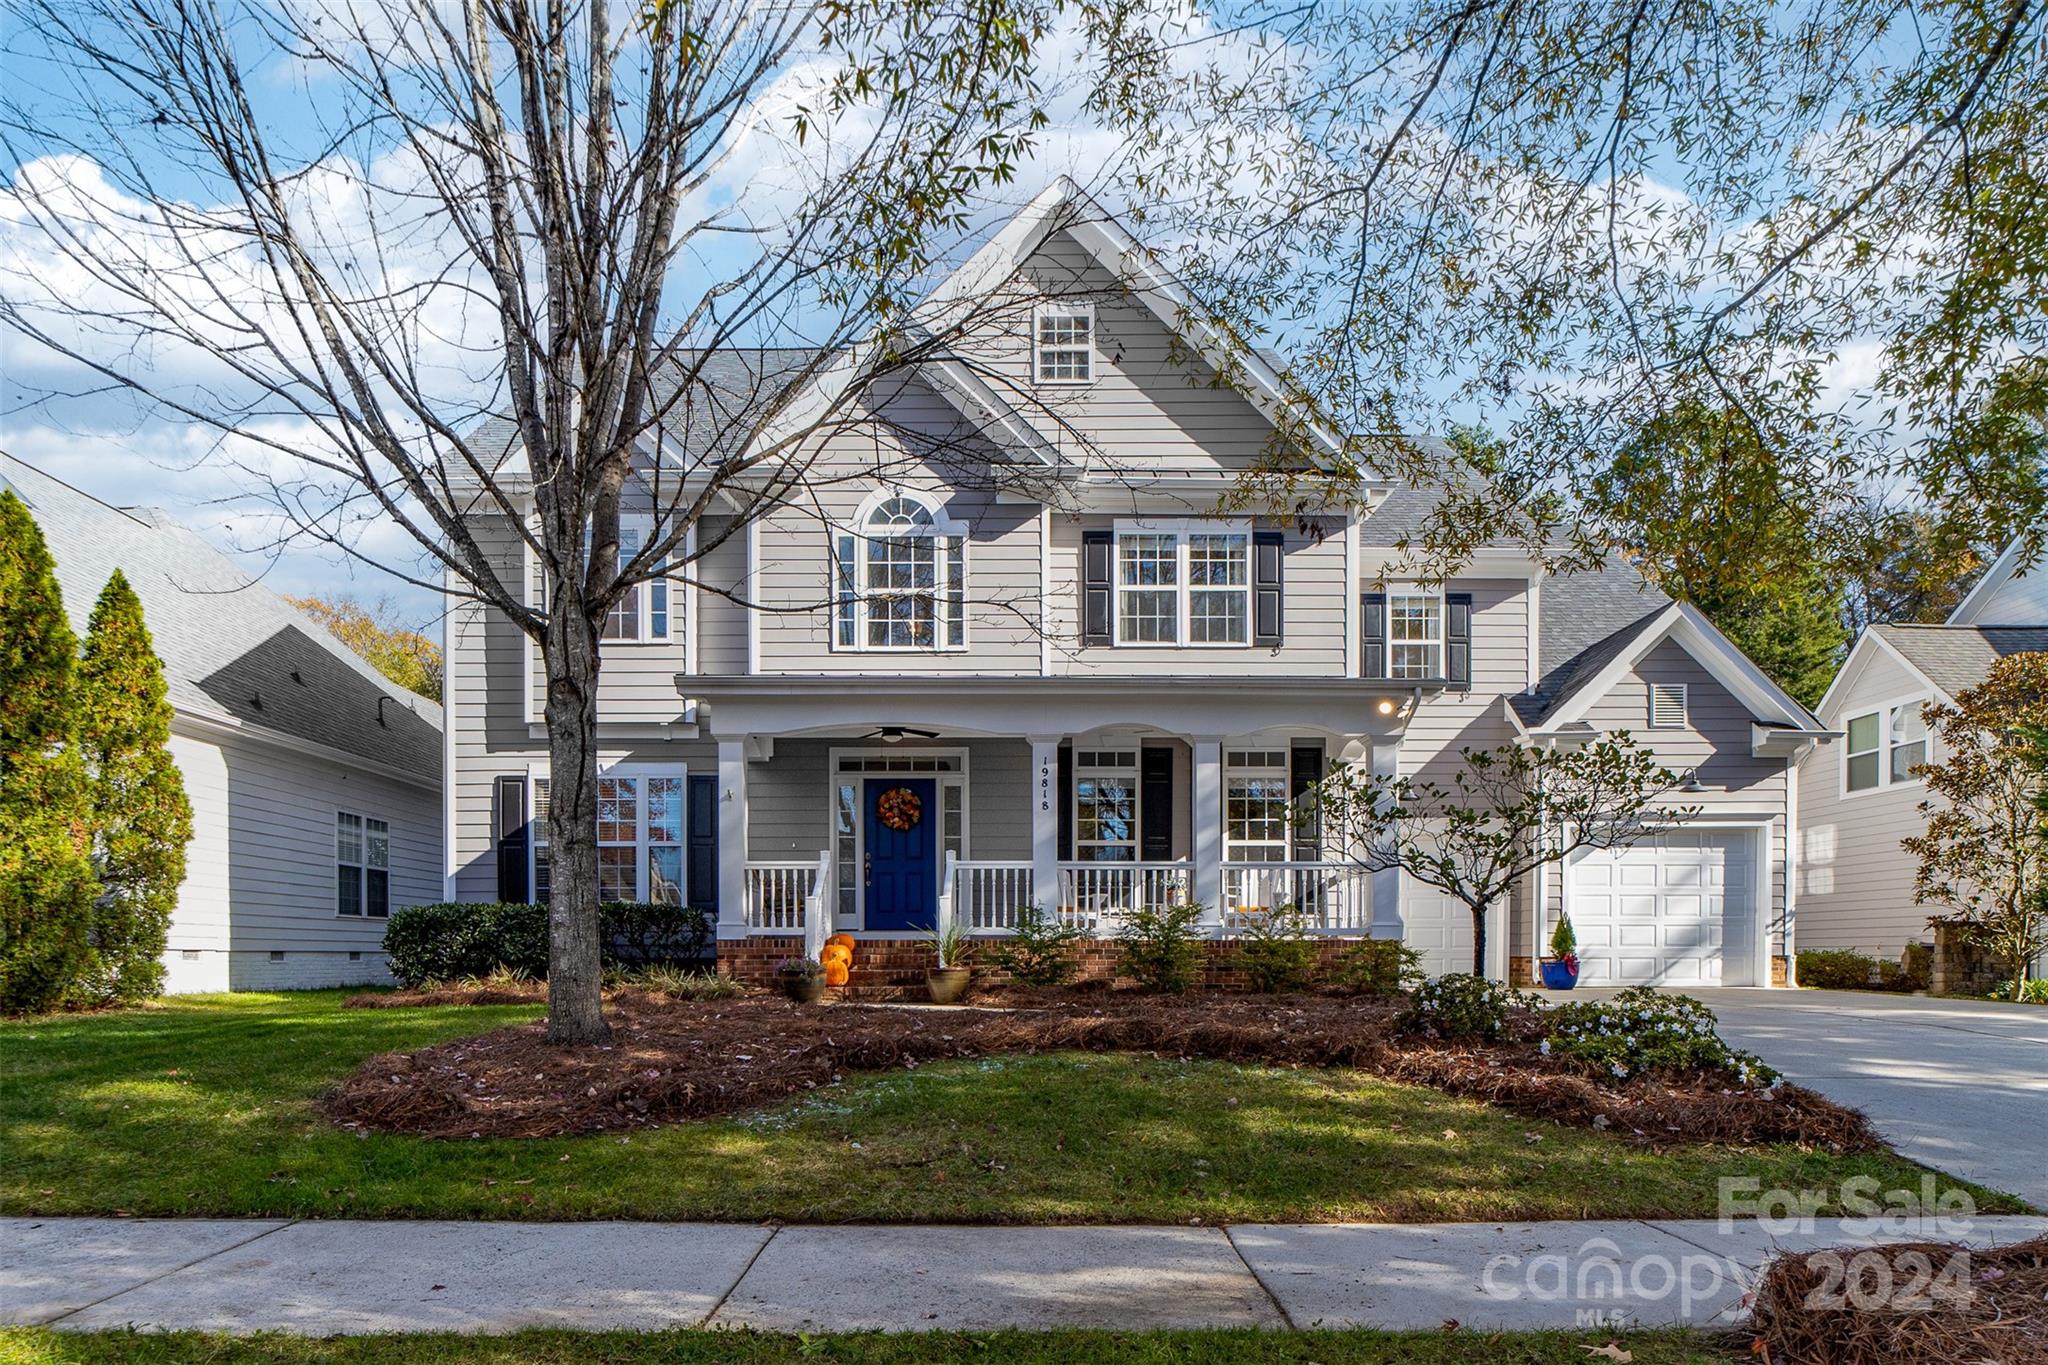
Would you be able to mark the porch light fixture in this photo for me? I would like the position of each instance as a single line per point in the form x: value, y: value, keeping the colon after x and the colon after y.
x: 1692, y: 782
x: 893, y: 734
x: 1386, y: 706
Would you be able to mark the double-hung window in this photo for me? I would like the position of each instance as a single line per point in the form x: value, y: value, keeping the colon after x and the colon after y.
x: 640, y: 837
x: 362, y: 866
x: 641, y: 614
x: 902, y: 580
x: 1188, y: 582
x: 1415, y: 634
x: 1255, y: 808
x: 1106, y: 805
x: 1884, y: 746
x: 1064, y: 343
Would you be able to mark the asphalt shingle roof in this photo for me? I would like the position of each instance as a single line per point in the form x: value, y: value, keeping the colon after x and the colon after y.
x: 1588, y: 619
x: 232, y: 649
x: 1958, y: 657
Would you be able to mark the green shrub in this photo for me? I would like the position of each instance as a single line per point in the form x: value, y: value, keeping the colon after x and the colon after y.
x: 1642, y: 1032
x: 2035, y: 992
x: 1378, y: 967
x: 1041, y: 951
x: 1465, y: 1008
x: 1916, y: 967
x: 1842, y: 969
x: 678, y: 983
x: 1564, y: 940
x: 457, y: 940
x: 1274, y: 949
x: 1160, y: 946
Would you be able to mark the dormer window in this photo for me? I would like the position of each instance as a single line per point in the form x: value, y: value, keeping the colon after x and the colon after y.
x: 1064, y: 343
x: 902, y: 579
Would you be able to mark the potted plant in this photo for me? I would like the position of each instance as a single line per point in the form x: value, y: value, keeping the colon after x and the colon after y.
x: 1561, y: 969
x: 802, y: 978
x: 948, y: 977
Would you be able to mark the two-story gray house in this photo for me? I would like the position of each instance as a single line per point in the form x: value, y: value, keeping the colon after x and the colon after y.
x: 932, y: 691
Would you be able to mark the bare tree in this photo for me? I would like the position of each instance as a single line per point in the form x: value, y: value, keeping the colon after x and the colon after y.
x: 1505, y: 812
x: 1571, y: 220
x: 437, y: 264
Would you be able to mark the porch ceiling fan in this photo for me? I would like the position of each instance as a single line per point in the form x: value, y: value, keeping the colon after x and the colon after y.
x: 893, y: 734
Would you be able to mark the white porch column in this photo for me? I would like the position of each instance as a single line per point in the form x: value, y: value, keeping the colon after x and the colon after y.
x: 732, y: 838
x: 1045, y: 822
x: 1208, y: 823
x: 1387, y: 919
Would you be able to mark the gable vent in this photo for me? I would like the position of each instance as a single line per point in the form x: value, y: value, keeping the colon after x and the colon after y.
x: 1667, y: 706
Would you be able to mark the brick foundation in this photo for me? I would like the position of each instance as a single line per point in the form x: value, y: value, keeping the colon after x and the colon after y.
x: 1521, y: 972
x: 894, y: 968
x: 1781, y: 970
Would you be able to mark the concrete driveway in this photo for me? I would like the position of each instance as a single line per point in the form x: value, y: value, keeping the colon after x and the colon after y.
x: 1960, y: 1085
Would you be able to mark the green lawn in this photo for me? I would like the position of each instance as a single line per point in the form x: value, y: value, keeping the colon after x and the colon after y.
x: 204, y: 1106
x: 865, y: 1348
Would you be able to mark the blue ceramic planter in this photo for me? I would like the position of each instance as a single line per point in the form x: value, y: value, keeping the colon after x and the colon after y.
x: 1558, y: 975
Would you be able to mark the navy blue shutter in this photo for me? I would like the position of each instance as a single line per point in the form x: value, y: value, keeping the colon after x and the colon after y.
x: 702, y: 846
x: 1268, y: 598
x: 1373, y: 656
x: 1096, y: 550
x: 508, y: 797
x: 1155, y: 805
x: 1458, y: 639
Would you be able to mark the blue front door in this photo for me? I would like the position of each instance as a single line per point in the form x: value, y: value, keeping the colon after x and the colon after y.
x: 902, y: 875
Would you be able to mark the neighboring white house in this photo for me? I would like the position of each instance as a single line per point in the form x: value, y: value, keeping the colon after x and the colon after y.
x: 315, y: 783
x: 1859, y: 797
x: 1089, y: 687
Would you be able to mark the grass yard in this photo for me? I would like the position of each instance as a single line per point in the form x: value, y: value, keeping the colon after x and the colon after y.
x: 865, y: 1348
x: 204, y: 1106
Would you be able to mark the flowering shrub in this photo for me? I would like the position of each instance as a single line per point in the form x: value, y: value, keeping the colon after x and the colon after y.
x: 1642, y: 1032
x: 1462, y: 1007
x: 801, y: 968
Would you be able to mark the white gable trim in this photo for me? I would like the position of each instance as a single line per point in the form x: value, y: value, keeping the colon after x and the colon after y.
x: 1996, y: 577
x: 1859, y: 659
x: 1686, y: 626
x: 1063, y: 205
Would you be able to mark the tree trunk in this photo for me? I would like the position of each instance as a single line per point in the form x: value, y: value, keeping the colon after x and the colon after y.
x: 575, y: 965
x: 1479, y: 940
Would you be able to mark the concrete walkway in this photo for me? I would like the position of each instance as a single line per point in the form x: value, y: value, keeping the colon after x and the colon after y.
x: 333, y: 1278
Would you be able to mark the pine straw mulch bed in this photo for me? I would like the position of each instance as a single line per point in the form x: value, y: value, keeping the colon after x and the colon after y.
x: 1999, y: 1314
x: 671, y: 1061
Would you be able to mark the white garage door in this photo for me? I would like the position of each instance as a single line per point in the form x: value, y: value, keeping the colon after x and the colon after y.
x: 1677, y: 910
x: 1437, y: 927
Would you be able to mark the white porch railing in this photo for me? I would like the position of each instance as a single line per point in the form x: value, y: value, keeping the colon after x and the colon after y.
x: 788, y: 898
x: 1335, y: 897
x: 988, y: 895
x: 1092, y: 892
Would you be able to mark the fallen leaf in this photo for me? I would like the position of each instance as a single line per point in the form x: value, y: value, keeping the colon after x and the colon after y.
x: 1450, y: 1134
x: 435, y: 1288
x: 1610, y: 1351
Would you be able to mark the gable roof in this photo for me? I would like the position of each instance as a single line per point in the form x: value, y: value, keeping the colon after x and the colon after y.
x: 2003, y: 571
x: 234, y: 652
x: 1956, y: 658
x: 1062, y: 206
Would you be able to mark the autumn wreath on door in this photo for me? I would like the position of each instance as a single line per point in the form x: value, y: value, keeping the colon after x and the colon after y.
x: 900, y: 809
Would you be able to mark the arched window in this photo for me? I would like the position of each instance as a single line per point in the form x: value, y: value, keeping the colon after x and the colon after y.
x: 902, y: 578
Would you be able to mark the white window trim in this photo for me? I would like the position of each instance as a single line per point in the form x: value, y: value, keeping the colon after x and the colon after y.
x: 1180, y: 528
x: 1051, y: 310
x: 1439, y: 643
x: 1684, y: 706
x: 363, y: 864
x: 536, y: 832
x: 1261, y: 772
x: 857, y: 920
x: 643, y: 594
x: 941, y: 528
x: 1883, y: 712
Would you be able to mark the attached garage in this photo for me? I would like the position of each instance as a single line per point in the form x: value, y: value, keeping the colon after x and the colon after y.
x: 1680, y: 909
x: 1436, y: 926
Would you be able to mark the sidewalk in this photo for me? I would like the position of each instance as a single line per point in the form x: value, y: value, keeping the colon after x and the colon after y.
x: 330, y: 1278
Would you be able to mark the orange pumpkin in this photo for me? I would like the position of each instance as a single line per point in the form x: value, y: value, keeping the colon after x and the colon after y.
x: 836, y: 971
x: 842, y: 940
x: 836, y: 950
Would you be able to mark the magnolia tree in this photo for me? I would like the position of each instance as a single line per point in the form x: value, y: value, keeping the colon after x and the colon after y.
x: 422, y: 268
x: 1985, y: 853
x: 1505, y: 812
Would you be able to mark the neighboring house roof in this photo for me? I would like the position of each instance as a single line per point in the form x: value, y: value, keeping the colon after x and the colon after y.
x: 2005, y: 572
x: 234, y: 652
x: 1400, y: 519
x: 1956, y: 658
